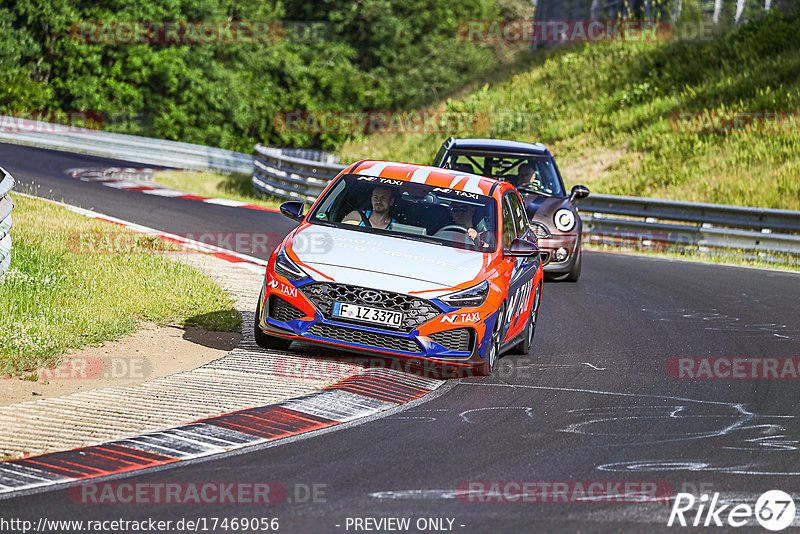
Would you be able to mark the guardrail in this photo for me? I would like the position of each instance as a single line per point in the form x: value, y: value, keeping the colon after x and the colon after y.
x: 644, y: 222
x: 6, y: 205
x: 146, y: 150
x: 293, y: 173
x: 655, y: 223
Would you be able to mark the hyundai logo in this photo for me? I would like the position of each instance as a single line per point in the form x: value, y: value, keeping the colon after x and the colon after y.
x: 369, y: 296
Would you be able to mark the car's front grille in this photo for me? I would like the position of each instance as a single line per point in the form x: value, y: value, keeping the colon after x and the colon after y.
x: 457, y: 340
x: 415, y: 310
x: 349, y: 335
x: 281, y: 310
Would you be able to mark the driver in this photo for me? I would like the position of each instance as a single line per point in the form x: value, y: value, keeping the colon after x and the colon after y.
x: 525, y: 173
x: 382, y: 201
x: 463, y: 215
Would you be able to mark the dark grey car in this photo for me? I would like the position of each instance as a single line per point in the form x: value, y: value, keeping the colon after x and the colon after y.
x: 532, y: 169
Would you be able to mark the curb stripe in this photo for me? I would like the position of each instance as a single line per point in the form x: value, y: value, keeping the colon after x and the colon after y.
x: 95, y: 175
x: 372, y: 391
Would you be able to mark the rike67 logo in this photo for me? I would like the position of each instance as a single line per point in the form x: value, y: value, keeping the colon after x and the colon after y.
x: 774, y: 510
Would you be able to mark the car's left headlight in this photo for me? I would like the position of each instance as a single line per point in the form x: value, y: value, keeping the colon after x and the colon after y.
x: 472, y: 296
x: 564, y: 219
x: 284, y: 266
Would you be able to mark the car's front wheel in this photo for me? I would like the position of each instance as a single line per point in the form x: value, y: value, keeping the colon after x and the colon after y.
x: 490, y: 364
x: 263, y: 340
x: 524, y: 346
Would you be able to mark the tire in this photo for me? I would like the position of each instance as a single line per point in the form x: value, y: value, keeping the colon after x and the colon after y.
x: 263, y: 340
x: 524, y: 346
x: 575, y: 273
x: 490, y: 365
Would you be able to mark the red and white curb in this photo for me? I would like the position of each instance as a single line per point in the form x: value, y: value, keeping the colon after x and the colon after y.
x: 251, y: 263
x: 362, y: 395
x: 116, y: 177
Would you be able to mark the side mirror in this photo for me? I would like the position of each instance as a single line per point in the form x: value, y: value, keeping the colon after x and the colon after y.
x: 293, y: 209
x: 521, y: 247
x: 578, y: 191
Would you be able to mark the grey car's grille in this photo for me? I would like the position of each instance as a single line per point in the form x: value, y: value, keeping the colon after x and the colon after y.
x: 415, y: 310
x: 348, y: 335
x: 280, y: 310
x: 457, y: 340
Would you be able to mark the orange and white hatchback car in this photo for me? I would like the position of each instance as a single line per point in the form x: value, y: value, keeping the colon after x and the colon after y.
x: 406, y: 261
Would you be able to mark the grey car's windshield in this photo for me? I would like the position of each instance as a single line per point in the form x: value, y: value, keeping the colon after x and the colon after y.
x: 527, y: 173
x: 410, y: 210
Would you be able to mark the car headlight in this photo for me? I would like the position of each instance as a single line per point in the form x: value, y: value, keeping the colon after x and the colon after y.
x: 565, y: 220
x: 284, y: 266
x: 472, y: 296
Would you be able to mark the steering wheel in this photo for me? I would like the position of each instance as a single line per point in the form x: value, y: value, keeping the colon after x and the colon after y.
x: 453, y: 227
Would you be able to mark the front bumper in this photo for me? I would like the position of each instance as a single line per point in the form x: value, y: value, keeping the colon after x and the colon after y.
x: 570, y: 242
x: 429, y: 343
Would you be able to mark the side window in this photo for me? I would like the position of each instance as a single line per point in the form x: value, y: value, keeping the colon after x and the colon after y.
x: 509, y: 226
x: 520, y: 217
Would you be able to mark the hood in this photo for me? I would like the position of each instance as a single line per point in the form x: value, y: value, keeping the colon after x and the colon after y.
x: 379, y: 261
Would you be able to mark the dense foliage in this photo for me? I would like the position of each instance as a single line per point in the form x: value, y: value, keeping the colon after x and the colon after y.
x: 372, y: 55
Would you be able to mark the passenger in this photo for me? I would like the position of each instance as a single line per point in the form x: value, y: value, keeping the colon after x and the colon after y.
x: 379, y: 217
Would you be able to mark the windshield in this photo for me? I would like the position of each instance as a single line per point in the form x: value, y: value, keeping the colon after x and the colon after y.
x: 410, y: 210
x: 526, y: 173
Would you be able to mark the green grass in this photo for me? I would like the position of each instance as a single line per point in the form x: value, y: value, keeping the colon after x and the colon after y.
x: 604, y: 108
x: 65, y: 290
x: 231, y: 186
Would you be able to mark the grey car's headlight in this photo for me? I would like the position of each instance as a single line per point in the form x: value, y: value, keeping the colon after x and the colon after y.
x: 564, y: 219
x: 284, y: 266
x: 472, y: 296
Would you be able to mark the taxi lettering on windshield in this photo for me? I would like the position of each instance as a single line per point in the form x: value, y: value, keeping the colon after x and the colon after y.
x: 387, y: 181
x: 473, y: 317
x: 279, y: 287
x: 457, y: 193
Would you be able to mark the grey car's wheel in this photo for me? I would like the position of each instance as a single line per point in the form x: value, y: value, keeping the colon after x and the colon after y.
x: 490, y: 365
x: 263, y: 340
x: 575, y: 273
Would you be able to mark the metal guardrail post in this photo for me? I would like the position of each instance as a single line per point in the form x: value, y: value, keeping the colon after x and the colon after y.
x: 6, y: 205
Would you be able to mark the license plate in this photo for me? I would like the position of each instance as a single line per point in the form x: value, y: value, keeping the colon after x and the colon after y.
x: 368, y: 314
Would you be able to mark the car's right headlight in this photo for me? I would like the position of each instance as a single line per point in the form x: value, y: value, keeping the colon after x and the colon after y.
x: 564, y: 219
x: 284, y: 266
x: 472, y: 296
